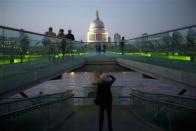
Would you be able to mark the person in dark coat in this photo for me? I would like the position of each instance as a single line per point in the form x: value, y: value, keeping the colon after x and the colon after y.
x: 105, y: 99
x: 99, y: 48
x: 49, y: 43
x: 70, y: 36
x: 63, y: 41
x: 104, y: 48
x: 122, y: 43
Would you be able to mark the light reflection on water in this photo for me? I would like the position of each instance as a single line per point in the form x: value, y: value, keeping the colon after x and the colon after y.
x: 80, y: 84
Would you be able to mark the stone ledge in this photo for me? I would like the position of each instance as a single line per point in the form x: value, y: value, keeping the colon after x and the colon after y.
x: 187, y: 78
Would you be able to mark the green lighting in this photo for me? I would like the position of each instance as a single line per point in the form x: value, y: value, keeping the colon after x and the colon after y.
x: 16, y: 61
x: 140, y: 54
x: 135, y: 53
x: 186, y: 58
x: 169, y: 55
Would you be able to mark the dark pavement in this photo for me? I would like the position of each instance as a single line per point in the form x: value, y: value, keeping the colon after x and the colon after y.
x: 85, y: 118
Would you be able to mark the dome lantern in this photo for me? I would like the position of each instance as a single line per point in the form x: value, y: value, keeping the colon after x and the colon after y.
x: 97, y: 13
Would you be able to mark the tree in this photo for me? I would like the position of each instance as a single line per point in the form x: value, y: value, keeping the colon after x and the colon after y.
x: 191, y: 37
x: 24, y: 45
x: 167, y: 41
x: 177, y: 41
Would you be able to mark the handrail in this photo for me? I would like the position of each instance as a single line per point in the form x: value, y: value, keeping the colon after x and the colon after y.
x: 177, y: 29
x: 163, y: 102
x: 181, y: 28
x: 35, y: 33
x: 29, y: 108
x: 86, y: 97
x: 32, y: 98
x: 175, y: 96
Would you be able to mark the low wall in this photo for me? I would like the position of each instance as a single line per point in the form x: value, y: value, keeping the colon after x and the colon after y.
x: 186, y: 78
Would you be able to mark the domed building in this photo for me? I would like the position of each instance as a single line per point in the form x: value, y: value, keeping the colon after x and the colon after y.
x: 97, y: 31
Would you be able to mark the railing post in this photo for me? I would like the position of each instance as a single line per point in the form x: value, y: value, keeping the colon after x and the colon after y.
x: 170, y: 117
x: 3, y: 50
x: 132, y: 102
x: 48, y: 116
x: 158, y: 108
x: 35, y: 75
x: 9, y: 107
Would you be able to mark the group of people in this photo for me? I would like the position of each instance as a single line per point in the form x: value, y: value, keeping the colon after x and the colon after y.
x: 61, y: 34
x: 100, y: 48
x: 102, y: 82
x: 49, y: 42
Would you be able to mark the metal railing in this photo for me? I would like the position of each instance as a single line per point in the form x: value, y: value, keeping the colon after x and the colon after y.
x: 168, y: 112
x: 117, y: 100
x: 27, y: 57
x: 174, y: 44
x: 37, y: 113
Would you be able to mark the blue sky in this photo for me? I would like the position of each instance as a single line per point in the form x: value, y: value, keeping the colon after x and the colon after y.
x: 129, y: 18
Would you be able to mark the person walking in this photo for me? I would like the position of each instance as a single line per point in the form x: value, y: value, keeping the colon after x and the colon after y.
x: 122, y: 43
x: 70, y: 44
x: 104, y: 99
x: 49, y: 43
x: 63, y: 41
x: 70, y: 36
x: 104, y: 48
x: 99, y: 48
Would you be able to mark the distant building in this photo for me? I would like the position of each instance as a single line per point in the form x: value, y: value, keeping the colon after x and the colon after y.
x: 97, y: 31
x: 145, y: 35
x: 117, y: 38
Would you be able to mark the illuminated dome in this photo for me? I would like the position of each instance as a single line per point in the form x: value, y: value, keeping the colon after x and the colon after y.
x: 96, y: 24
x: 97, y: 31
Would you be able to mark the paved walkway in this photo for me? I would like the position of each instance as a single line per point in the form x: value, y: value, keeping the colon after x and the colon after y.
x: 85, y: 118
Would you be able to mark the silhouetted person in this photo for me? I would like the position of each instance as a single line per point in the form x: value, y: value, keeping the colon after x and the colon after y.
x: 24, y: 44
x: 63, y: 41
x: 50, y: 32
x: 104, y: 48
x: 104, y: 96
x: 96, y: 48
x: 99, y: 48
x: 49, y: 43
x: 70, y: 36
x: 122, y: 43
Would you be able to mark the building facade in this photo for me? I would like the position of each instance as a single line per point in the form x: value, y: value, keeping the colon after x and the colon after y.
x: 97, y: 31
x: 117, y: 38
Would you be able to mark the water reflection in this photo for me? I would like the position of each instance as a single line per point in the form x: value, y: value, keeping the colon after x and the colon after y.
x: 79, y: 82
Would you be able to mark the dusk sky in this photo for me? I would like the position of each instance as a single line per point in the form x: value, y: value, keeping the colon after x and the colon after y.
x: 130, y: 18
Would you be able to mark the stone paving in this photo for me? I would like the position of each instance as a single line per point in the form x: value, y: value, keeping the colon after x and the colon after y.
x: 85, y: 118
